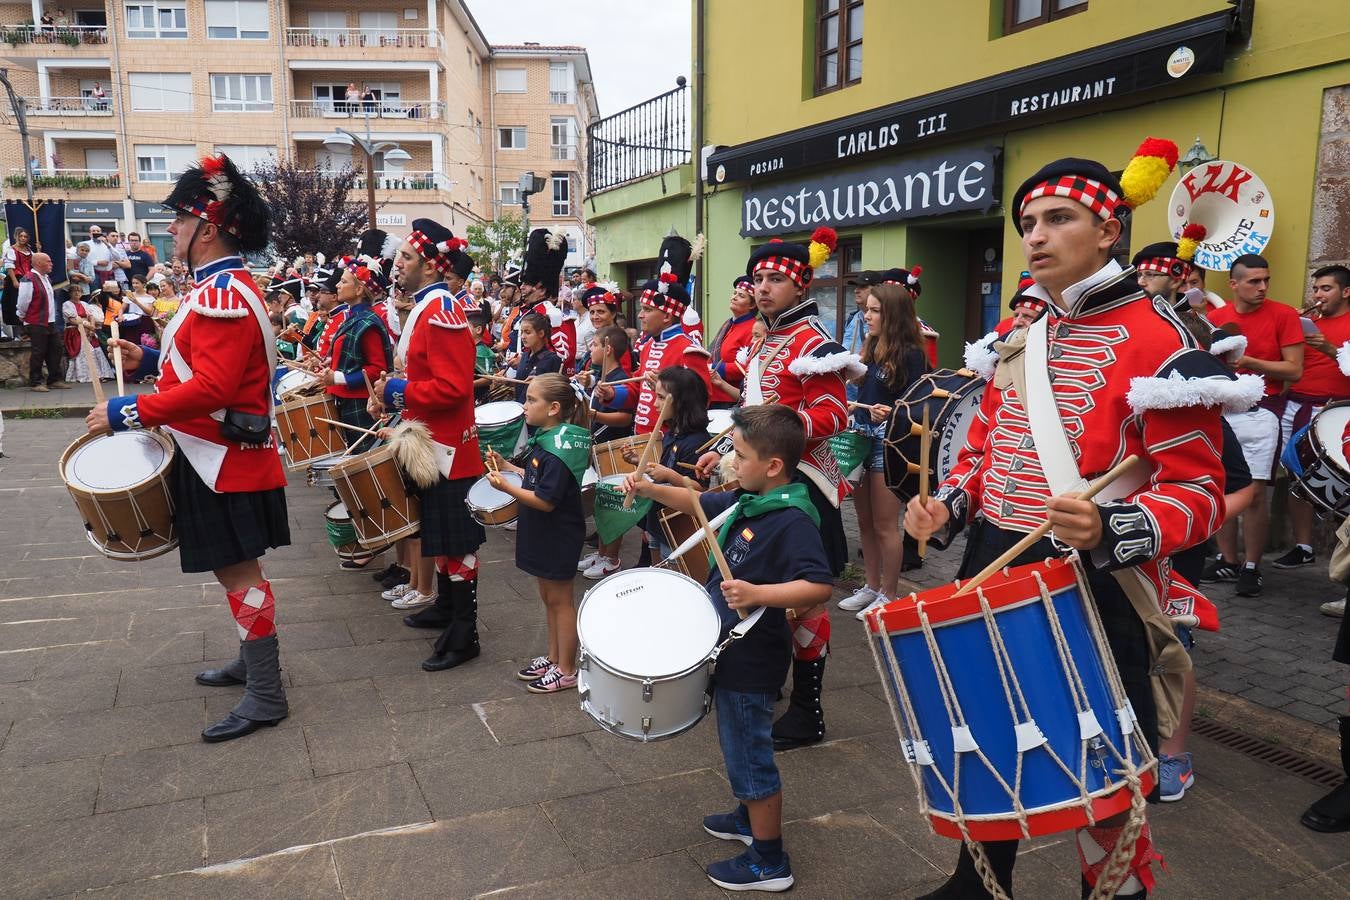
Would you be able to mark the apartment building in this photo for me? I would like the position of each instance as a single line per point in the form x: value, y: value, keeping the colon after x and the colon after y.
x: 122, y: 96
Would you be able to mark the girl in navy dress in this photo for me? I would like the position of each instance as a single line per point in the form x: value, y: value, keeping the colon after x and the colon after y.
x: 551, y: 524
x: 536, y: 352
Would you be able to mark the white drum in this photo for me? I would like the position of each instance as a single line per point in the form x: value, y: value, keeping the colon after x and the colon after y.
x: 491, y: 506
x: 295, y: 380
x: 648, y: 638
x: 719, y: 420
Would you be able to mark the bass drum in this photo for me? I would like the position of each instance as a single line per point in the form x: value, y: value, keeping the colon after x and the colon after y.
x: 952, y: 398
x: 1316, y: 459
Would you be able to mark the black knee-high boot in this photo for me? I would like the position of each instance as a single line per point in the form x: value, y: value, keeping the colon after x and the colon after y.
x: 1332, y: 813
x: 966, y: 883
x: 438, y: 614
x: 459, y: 642
x: 804, y: 721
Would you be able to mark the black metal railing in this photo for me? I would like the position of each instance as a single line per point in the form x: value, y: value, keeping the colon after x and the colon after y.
x: 640, y: 141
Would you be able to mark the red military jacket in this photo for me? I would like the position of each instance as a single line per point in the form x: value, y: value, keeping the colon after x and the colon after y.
x: 800, y: 365
x: 216, y: 354
x: 439, y: 388
x: 1126, y: 378
x: 336, y: 317
x: 735, y: 335
x: 672, y: 348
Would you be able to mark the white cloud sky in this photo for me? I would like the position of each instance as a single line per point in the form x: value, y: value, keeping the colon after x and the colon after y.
x: 636, y: 48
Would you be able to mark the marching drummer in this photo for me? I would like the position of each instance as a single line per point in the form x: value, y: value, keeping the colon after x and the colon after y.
x: 438, y: 392
x: 1106, y: 374
x: 361, y: 344
x: 214, y: 396
x: 800, y: 366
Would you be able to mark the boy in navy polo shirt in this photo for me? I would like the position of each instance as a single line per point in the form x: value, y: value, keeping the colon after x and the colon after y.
x: 772, y: 544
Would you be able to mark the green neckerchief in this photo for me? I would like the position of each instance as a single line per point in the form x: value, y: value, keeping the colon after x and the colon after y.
x: 748, y: 506
x: 570, y: 443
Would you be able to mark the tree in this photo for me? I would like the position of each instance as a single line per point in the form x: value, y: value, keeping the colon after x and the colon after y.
x: 497, y: 242
x: 310, y: 209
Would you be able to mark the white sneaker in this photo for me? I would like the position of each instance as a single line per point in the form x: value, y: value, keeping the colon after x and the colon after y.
x: 880, y: 601
x: 587, y: 561
x: 859, y: 598
x: 411, y: 600
x: 509, y: 526
x: 396, y: 591
x: 600, y: 568
x: 1334, y: 608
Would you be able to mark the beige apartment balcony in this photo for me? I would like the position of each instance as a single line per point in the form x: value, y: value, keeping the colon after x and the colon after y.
x: 380, y: 112
x: 76, y: 182
x: 360, y: 44
x: 406, y: 185
x: 71, y: 107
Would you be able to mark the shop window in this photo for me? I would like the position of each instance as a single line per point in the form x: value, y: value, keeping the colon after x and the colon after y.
x: 830, y: 288
x: 1019, y: 15
x: 839, y: 35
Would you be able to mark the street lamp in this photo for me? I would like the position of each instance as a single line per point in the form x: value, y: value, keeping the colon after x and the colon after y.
x: 342, y: 139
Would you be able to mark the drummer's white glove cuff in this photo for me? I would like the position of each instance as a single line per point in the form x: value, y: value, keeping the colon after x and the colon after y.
x: 1130, y: 536
x: 123, y: 414
x: 394, y: 390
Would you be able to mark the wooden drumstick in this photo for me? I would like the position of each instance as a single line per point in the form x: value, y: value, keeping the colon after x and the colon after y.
x: 717, y: 437
x: 292, y: 364
x: 925, y: 442
x: 337, y: 424
x: 88, y: 349
x: 622, y: 381
x: 1016, y: 549
x: 117, y: 357
x: 711, y: 537
x: 653, y: 441
x: 503, y: 378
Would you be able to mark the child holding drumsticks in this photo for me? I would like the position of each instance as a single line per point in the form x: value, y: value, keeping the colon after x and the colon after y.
x: 550, y: 524
x: 777, y: 561
x: 610, y: 421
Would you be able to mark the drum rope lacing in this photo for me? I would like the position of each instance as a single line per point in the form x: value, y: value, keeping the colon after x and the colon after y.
x: 1115, y: 868
x: 143, y: 529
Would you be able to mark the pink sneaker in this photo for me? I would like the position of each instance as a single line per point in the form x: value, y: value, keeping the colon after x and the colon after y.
x: 537, y: 669
x: 553, y: 681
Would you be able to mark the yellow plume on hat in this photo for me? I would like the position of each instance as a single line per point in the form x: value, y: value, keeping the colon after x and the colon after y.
x: 1145, y: 173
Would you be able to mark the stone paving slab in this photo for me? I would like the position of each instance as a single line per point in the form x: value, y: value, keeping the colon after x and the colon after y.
x: 389, y: 781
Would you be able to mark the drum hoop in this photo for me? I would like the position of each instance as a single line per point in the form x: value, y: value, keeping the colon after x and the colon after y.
x: 590, y: 654
x: 158, y: 475
x: 1059, y: 575
x: 612, y: 727
x: 483, y: 479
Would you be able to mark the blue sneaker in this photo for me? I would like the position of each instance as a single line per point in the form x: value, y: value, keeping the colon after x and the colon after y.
x: 1175, y: 775
x: 732, y: 826
x: 748, y: 872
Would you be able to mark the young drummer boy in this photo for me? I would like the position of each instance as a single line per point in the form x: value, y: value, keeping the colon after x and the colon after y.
x: 772, y: 544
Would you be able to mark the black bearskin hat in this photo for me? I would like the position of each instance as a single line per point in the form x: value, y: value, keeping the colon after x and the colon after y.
x: 217, y: 192
x: 545, y: 256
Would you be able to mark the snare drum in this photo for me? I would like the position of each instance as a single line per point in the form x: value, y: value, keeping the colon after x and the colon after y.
x: 120, y: 486
x: 647, y: 640
x: 952, y: 399
x: 296, y: 380
x: 1315, y: 457
x: 588, y: 483
x: 608, y: 457
x: 719, y: 420
x: 678, y: 527
x: 320, y: 474
x: 303, y: 436
x: 1011, y: 714
x: 382, y: 508
x: 501, y: 427
x: 342, y: 534
x: 491, y: 506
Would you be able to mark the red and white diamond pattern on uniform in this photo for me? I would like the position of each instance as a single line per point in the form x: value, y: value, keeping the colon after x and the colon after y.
x: 663, y: 302
x: 1093, y: 194
x: 422, y: 244
x: 459, y: 568
x: 1164, y: 265
x: 811, y: 637
x: 798, y: 271
x: 254, y: 611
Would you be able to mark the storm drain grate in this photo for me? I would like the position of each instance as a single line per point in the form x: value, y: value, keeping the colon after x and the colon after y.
x: 1282, y: 758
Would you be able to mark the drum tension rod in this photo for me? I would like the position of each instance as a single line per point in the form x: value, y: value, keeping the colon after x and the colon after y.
x: 146, y: 532
x: 385, y: 504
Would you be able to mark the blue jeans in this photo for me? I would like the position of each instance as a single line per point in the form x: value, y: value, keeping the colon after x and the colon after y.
x: 744, y: 724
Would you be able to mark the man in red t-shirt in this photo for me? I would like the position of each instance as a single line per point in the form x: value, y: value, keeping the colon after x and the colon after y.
x: 1275, y: 352
x: 1325, y: 378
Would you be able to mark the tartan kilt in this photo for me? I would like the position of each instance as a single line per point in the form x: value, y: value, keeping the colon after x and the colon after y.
x: 447, y: 527
x: 831, y: 526
x: 219, y: 530
x: 352, y: 411
x: 1125, y: 632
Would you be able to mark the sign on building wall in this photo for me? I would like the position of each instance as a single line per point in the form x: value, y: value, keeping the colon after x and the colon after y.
x: 960, y: 180
x: 391, y: 219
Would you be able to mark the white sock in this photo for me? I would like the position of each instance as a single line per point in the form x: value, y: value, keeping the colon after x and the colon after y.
x: 1306, y: 548
x: 1249, y: 565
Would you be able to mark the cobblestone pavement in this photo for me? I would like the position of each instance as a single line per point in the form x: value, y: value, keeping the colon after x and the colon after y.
x: 387, y: 781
